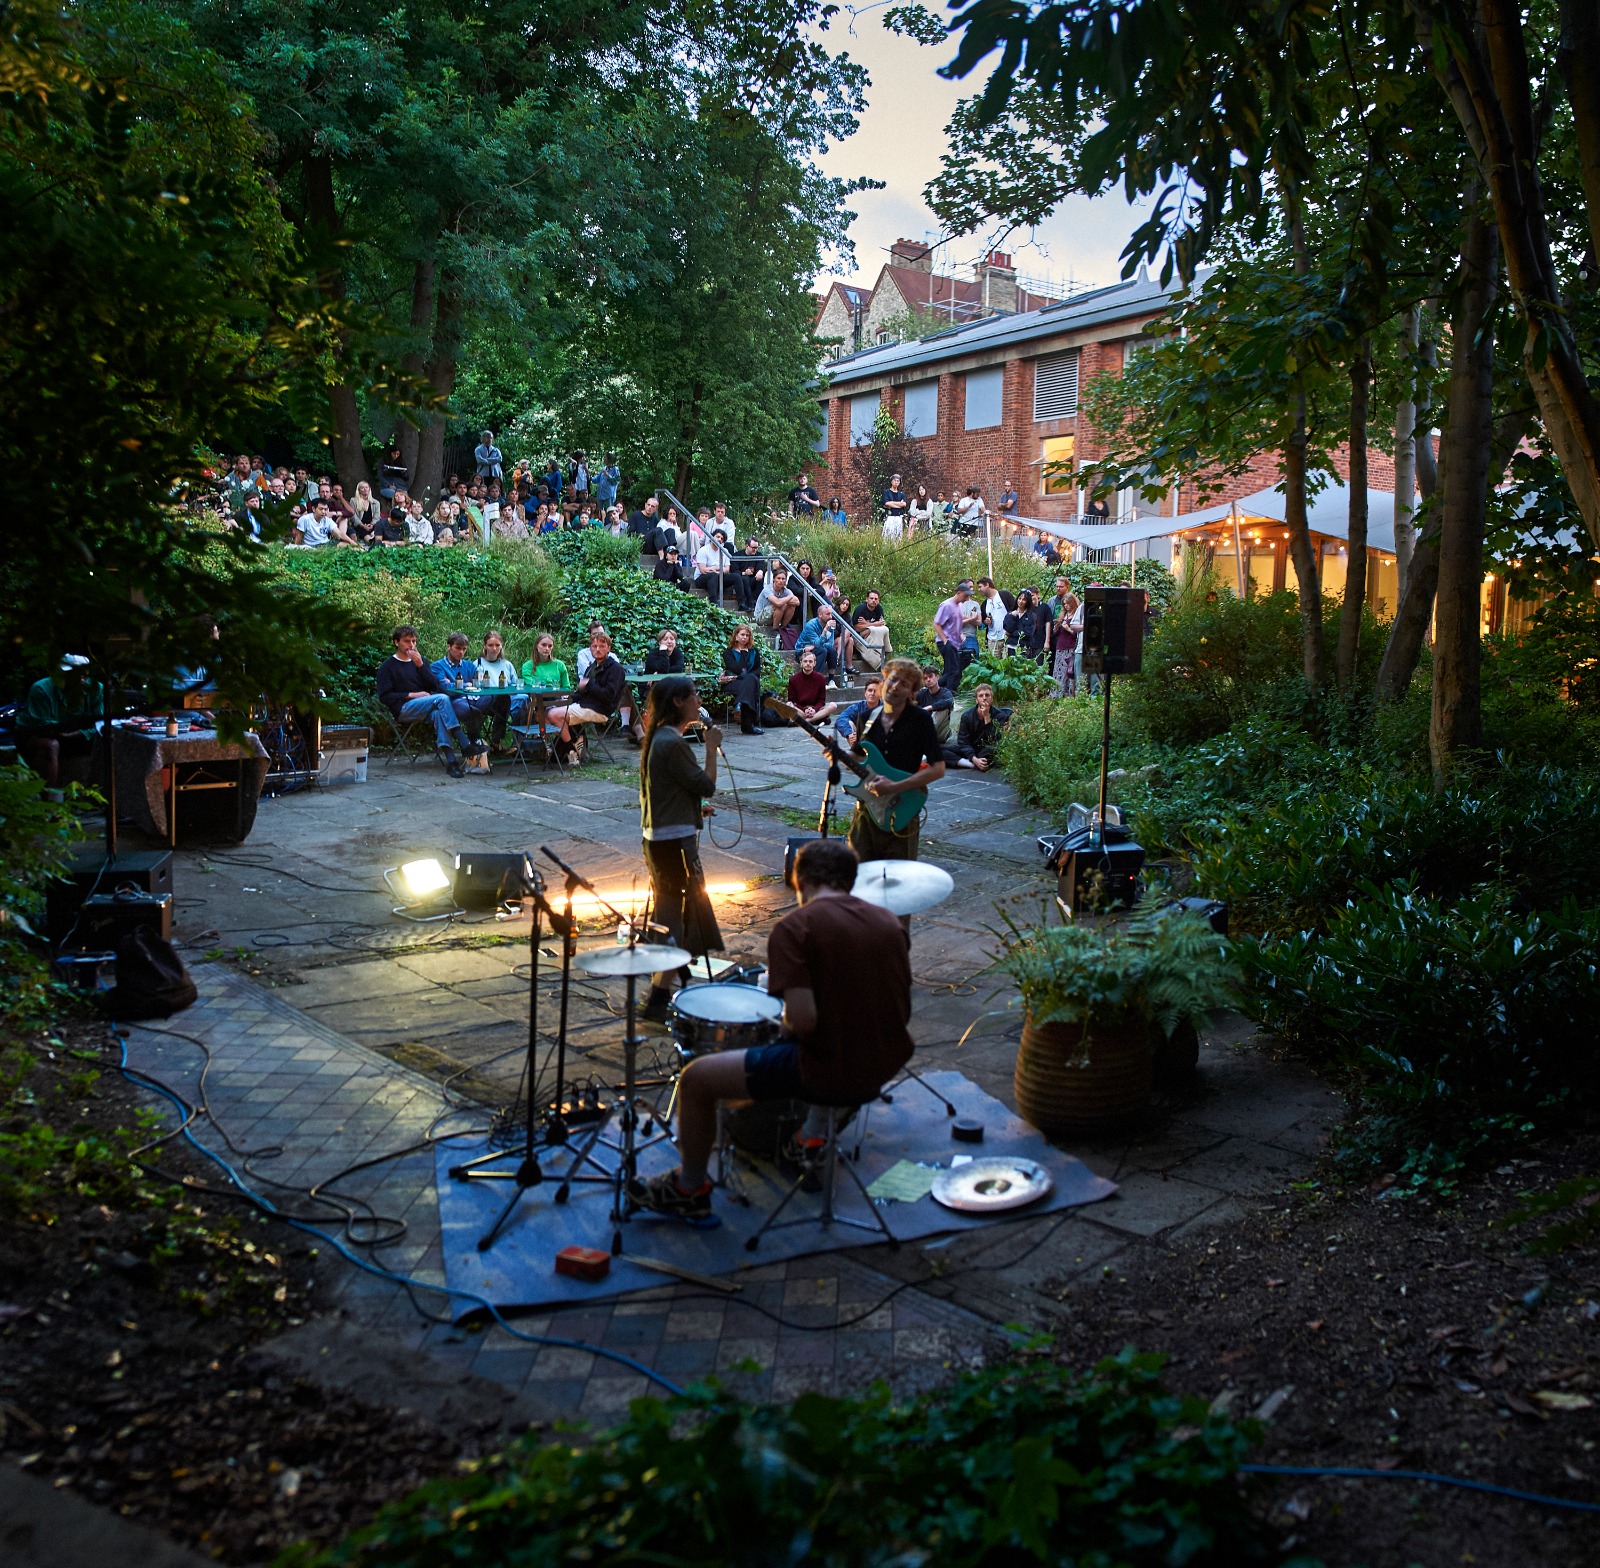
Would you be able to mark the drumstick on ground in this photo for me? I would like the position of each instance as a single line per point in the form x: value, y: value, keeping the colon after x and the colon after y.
x: 658, y: 1266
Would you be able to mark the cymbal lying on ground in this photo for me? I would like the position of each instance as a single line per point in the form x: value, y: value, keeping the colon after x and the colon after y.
x: 903, y: 887
x: 645, y: 959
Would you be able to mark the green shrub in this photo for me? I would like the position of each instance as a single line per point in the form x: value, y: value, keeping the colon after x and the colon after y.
x: 1446, y: 1011
x: 1014, y: 679
x: 589, y: 549
x: 1211, y: 661
x: 1051, y: 748
x: 1293, y: 862
x: 635, y: 609
x: 1015, y: 1465
x: 35, y: 836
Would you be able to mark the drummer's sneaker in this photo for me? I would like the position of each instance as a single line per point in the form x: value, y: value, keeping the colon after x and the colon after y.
x: 662, y: 1195
x: 657, y: 1007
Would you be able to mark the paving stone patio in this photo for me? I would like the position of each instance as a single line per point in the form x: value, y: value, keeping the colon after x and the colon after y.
x: 361, y: 1035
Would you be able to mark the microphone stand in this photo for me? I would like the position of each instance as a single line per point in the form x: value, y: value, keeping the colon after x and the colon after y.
x: 835, y: 778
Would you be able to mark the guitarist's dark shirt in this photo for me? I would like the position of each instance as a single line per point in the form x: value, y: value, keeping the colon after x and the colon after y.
x: 911, y: 742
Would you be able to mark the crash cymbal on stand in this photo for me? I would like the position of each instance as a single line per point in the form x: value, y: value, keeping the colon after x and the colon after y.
x: 903, y: 887
x: 645, y: 959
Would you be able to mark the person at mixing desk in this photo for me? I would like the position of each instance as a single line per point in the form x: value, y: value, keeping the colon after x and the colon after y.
x: 843, y: 970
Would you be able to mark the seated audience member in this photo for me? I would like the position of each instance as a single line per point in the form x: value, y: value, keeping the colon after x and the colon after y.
x: 670, y: 569
x: 510, y: 523
x: 544, y: 670
x: 315, y: 529
x: 55, y: 726
x: 393, y: 476
x: 669, y: 533
x: 455, y: 672
x: 417, y: 524
x: 818, y: 633
x: 978, y: 733
x: 851, y: 723
x: 642, y: 524
x: 409, y: 689
x: 713, y: 566
x: 741, y: 678
x: 843, y: 969
x: 598, y: 694
x: 808, y: 688
x: 871, y: 606
x: 875, y: 634
x: 492, y: 666
x: 444, y: 538
x: 936, y: 700
x: 365, y: 512
x: 750, y: 565
x: 586, y: 654
x: 391, y: 530
x: 782, y: 601
x: 666, y: 658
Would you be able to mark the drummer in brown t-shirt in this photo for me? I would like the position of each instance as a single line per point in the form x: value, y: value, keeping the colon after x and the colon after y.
x: 843, y: 969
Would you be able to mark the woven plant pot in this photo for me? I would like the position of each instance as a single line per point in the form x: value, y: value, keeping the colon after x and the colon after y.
x: 1058, y: 1091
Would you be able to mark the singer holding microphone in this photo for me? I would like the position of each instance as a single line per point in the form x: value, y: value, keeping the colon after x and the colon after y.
x: 673, y: 793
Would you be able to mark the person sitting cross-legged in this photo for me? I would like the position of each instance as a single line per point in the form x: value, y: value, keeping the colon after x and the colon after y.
x: 843, y: 969
x: 410, y: 690
x: 808, y: 689
x: 978, y: 733
x: 852, y: 721
x: 818, y: 633
x: 781, y: 600
x: 598, y: 695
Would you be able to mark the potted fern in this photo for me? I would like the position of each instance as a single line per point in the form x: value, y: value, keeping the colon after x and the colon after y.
x: 1098, y: 1002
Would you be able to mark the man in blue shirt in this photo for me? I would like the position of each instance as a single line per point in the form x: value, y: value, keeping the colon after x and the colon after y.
x: 454, y: 673
x: 851, y: 723
x: 486, y: 455
x: 606, y: 482
x: 818, y: 633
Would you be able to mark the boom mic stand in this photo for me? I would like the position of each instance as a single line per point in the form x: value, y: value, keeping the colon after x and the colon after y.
x: 835, y: 778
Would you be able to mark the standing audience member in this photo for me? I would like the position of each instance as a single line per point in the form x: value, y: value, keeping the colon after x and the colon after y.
x: 895, y: 505
x: 1010, y: 501
x: 606, y: 481
x: 920, y: 512
x: 487, y: 456
x: 835, y: 513
x: 803, y: 498
x: 948, y: 631
x: 1062, y: 610
x: 993, y: 609
x: 1027, y: 626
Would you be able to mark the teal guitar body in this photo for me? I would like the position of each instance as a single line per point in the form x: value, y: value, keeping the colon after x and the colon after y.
x: 892, y: 813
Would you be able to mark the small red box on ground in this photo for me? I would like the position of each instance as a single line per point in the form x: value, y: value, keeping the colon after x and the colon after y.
x: 583, y: 1263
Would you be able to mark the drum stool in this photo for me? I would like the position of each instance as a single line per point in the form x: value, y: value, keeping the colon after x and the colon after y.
x: 827, y: 1157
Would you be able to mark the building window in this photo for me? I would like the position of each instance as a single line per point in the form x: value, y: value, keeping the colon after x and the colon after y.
x: 1135, y: 349
x: 983, y: 398
x: 821, y: 442
x: 1055, y: 387
x: 1053, y: 451
x: 863, y: 416
x: 886, y: 337
x: 922, y: 409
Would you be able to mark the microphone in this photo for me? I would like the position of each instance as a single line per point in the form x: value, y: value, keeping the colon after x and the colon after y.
x: 582, y: 881
x: 705, y: 718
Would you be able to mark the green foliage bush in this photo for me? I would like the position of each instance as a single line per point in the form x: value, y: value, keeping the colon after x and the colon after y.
x: 1015, y: 679
x: 1446, y: 1011
x: 1050, y: 750
x: 636, y: 608
x: 35, y: 835
x: 589, y: 549
x: 1021, y: 1464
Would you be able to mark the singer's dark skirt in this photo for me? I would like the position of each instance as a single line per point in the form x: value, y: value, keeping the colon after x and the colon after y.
x: 682, y: 905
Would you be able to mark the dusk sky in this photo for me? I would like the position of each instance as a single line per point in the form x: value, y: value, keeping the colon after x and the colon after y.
x: 901, y: 141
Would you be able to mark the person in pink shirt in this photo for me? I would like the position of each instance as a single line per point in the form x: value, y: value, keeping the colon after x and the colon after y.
x: 947, y: 633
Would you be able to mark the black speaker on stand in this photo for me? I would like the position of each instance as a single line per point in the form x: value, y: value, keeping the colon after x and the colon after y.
x: 1100, y: 864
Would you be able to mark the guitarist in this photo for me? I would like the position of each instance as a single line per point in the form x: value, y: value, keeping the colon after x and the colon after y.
x: 905, y: 735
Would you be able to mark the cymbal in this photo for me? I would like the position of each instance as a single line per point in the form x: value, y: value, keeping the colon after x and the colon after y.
x: 645, y: 959
x: 903, y: 887
x: 985, y: 1186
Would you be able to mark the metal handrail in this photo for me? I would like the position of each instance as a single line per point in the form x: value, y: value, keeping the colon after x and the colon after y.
x: 807, y: 590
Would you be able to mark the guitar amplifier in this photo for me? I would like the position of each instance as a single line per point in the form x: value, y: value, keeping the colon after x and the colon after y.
x: 484, y: 880
x: 148, y: 871
x: 1095, y: 873
x: 105, y: 918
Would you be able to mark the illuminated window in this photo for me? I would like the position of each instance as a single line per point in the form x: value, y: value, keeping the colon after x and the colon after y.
x: 1053, y: 451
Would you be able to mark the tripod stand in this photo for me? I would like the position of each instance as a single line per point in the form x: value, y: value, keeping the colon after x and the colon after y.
x: 550, y: 1122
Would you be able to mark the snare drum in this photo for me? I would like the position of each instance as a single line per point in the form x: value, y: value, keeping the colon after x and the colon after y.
x: 723, y: 1017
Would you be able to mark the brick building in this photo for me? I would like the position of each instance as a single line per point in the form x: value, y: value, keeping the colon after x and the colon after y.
x: 996, y: 400
x: 852, y: 318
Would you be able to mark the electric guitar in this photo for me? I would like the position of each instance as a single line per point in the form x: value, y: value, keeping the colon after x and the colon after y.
x: 892, y: 813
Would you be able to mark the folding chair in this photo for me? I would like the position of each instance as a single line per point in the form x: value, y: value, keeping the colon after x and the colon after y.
x: 601, y: 733
x: 404, y: 731
x: 526, y: 736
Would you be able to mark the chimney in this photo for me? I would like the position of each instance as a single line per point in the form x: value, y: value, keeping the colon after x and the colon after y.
x: 997, y: 284
x: 911, y: 253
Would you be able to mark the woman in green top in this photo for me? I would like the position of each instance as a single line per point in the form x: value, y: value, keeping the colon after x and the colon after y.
x: 544, y: 670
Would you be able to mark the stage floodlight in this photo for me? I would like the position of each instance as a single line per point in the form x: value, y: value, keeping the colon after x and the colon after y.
x: 422, y: 886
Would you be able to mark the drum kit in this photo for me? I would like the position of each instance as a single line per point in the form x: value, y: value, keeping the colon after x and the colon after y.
x: 725, y: 1015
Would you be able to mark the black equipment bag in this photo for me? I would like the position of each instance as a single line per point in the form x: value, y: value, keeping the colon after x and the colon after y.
x: 151, y: 979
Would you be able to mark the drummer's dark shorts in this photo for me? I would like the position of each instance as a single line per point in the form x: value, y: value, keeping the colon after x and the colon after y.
x: 772, y: 1072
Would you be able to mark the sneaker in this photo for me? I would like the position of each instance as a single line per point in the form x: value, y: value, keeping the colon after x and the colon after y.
x: 654, y: 1010
x: 833, y: 685
x: 662, y: 1195
x: 456, y: 770
x: 474, y: 748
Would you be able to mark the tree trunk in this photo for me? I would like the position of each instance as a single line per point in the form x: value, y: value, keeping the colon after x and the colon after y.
x: 349, y: 461
x: 1414, y: 613
x: 415, y: 363
x: 428, y: 480
x: 1457, y: 716
x: 683, y: 469
x: 1488, y: 79
x: 1301, y: 551
x: 1355, y: 577
x: 1405, y: 456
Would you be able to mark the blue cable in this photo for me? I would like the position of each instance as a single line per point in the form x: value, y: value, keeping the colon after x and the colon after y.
x: 187, y: 1112
x: 1356, y: 1473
